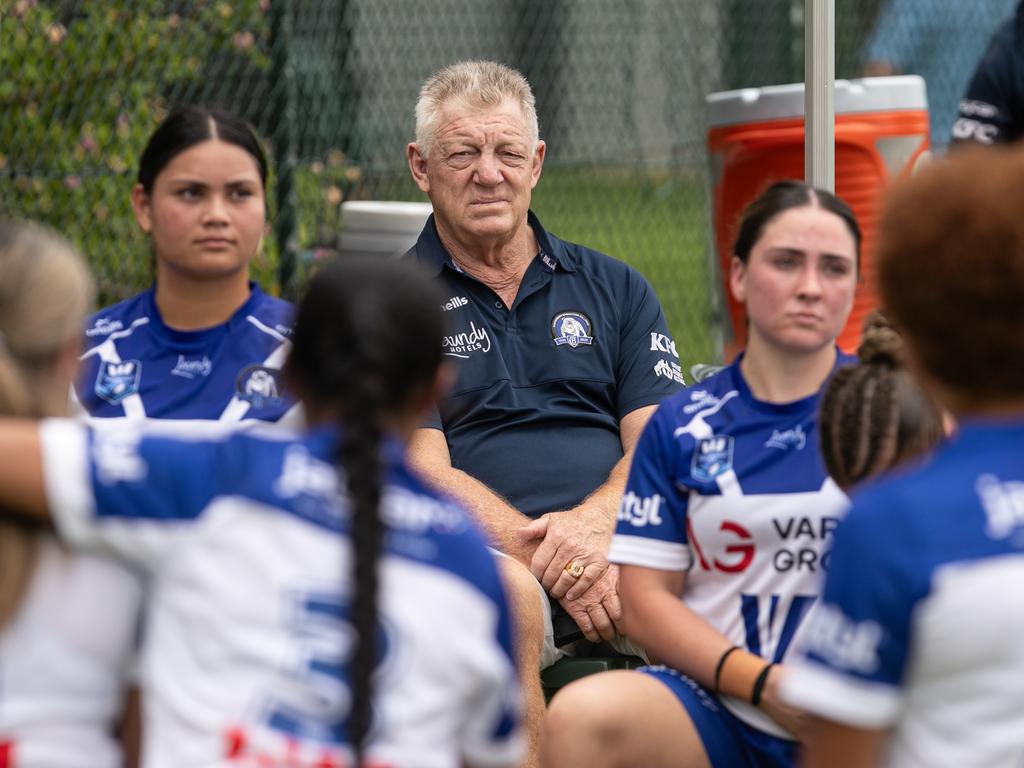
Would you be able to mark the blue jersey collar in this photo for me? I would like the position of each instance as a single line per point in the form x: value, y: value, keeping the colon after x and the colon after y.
x: 203, y: 335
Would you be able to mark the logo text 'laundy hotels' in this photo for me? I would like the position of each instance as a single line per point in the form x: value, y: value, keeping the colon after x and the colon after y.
x: 465, y: 343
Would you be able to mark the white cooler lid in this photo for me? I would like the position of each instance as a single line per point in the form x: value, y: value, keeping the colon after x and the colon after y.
x: 778, y: 102
x: 384, y: 216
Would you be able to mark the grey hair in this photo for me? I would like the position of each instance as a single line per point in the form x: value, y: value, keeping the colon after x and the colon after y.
x: 479, y: 85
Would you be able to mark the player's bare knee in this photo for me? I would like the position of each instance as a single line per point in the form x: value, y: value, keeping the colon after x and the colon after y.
x: 583, y: 710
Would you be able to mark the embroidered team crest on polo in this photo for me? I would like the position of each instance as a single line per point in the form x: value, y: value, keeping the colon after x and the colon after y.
x: 116, y: 381
x: 712, y: 457
x: 572, y: 328
x: 259, y: 385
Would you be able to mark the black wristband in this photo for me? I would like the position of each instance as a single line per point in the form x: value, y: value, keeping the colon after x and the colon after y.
x: 721, y: 663
x: 755, y: 694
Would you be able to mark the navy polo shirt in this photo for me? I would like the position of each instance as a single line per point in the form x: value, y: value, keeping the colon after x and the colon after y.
x: 541, y: 386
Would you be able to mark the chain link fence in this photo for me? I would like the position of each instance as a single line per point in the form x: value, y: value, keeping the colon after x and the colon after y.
x: 331, y: 85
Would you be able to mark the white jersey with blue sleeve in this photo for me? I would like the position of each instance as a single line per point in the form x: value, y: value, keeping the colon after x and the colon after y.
x: 62, y: 658
x: 137, y: 367
x: 733, y: 491
x: 921, y: 623
x: 249, y: 628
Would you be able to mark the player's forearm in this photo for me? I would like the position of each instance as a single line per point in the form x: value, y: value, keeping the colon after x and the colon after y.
x: 672, y: 633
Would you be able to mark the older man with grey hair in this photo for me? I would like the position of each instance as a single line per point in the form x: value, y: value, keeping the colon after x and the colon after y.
x: 560, y: 356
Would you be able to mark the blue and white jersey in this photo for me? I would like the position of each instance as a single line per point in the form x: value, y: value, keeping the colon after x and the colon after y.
x: 249, y: 628
x: 921, y: 624
x: 733, y: 491
x: 135, y: 366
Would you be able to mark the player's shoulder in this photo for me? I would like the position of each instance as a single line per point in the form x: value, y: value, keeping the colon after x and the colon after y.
x: 436, y: 531
x: 267, y: 305
x: 706, y: 400
x: 270, y: 313
x: 118, y: 320
x: 885, y: 512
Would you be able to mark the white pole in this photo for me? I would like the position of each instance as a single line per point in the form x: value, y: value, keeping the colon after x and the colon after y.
x: 819, y: 93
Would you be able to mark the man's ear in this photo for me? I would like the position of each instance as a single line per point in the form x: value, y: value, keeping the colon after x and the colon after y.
x: 538, y: 162
x: 417, y: 166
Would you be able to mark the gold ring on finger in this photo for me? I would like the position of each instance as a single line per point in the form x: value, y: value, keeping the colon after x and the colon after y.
x: 574, y: 569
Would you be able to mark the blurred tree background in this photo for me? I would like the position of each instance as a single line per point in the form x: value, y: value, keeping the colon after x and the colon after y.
x: 331, y: 84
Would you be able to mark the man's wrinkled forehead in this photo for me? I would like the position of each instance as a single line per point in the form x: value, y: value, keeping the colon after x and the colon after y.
x: 460, y: 114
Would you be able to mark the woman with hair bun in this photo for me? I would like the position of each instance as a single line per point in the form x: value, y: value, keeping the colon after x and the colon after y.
x: 915, y: 655
x: 874, y: 414
x: 67, y: 621
x: 727, y: 517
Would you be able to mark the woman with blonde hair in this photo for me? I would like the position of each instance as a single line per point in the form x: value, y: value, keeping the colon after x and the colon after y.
x: 67, y: 621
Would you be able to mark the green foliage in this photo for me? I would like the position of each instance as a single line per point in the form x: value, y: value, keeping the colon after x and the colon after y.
x: 82, y: 86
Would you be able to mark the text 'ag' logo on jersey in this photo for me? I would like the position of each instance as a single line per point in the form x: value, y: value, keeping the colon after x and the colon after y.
x: 572, y: 328
x: 116, y: 381
x: 712, y: 457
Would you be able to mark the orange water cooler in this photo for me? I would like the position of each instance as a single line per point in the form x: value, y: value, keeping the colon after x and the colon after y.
x: 756, y: 136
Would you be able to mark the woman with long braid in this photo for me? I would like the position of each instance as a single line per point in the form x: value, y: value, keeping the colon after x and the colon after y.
x: 914, y: 655
x: 874, y: 414
x: 726, y: 519
x: 67, y: 620
x: 314, y: 604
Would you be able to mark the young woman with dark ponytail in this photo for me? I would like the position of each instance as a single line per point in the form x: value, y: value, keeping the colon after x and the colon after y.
x: 314, y: 603
x: 67, y: 620
x: 204, y: 343
x: 726, y: 520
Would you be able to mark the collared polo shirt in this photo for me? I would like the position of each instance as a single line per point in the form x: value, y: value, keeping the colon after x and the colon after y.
x: 542, y: 385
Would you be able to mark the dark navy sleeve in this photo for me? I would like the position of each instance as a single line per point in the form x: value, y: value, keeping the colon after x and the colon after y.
x: 853, y: 653
x: 992, y: 108
x: 651, y: 528
x: 120, y: 490
x: 648, y: 367
x: 432, y: 419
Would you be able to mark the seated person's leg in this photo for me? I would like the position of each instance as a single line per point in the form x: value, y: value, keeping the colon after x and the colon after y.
x: 619, y: 719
